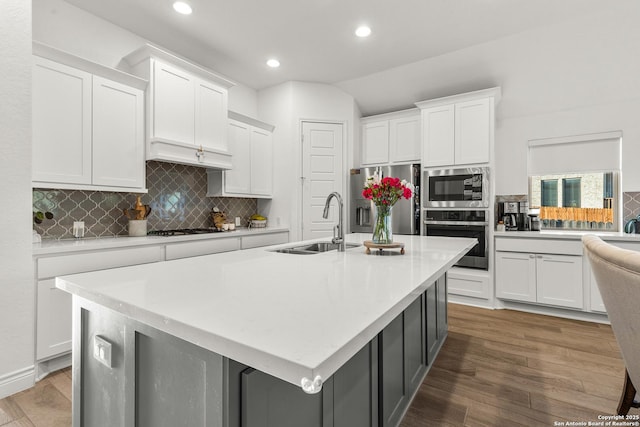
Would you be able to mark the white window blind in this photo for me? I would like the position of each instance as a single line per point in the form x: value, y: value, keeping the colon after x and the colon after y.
x: 575, y: 154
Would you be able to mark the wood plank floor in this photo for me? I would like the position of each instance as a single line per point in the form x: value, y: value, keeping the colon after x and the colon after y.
x: 497, y: 368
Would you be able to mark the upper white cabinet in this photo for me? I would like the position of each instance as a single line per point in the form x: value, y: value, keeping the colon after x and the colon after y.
x: 88, y: 125
x: 459, y: 129
x: 391, y: 138
x: 251, y: 144
x: 186, y: 109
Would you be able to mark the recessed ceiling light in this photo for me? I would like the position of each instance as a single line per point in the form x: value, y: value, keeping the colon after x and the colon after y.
x: 363, y: 31
x: 273, y: 63
x: 182, y: 7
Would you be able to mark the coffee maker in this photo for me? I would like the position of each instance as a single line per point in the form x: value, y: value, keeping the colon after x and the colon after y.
x: 513, y: 215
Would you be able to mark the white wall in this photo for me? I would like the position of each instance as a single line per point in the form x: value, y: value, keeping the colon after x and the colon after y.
x: 16, y: 280
x: 285, y: 106
x: 66, y: 27
x: 574, y: 77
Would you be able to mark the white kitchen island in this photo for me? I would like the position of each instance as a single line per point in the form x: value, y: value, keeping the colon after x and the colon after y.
x: 232, y: 339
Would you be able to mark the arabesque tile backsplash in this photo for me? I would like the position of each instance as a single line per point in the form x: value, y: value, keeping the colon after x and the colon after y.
x: 177, y: 196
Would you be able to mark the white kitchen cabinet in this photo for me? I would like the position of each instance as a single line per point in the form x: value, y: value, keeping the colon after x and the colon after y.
x: 118, y: 135
x: 53, y: 321
x: 61, y: 123
x: 88, y: 130
x: 375, y: 143
x: 543, y: 278
x: 186, y: 109
x: 251, y: 144
x: 458, y: 130
x: 201, y: 247
x: 260, y: 240
x: 469, y: 282
x: 439, y: 130
x: 53, y: 311
x: 391, y: 138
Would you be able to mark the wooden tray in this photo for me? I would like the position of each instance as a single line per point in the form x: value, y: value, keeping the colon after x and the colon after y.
x: 382, y: 246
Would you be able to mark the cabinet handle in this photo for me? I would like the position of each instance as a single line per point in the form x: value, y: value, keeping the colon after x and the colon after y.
x: 540, y: 256
x: 532, y: 256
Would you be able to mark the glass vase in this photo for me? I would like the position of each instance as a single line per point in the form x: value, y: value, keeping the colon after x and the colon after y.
x: 382, y: 230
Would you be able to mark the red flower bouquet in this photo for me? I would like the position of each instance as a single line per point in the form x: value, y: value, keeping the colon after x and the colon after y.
x: 385, y: 193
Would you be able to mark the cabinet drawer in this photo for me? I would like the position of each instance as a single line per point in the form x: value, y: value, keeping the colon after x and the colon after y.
x: 80, y: 263
x: 540, y: 246
x: 472, y: 285
x: 249, y: 242
x: 201, y: 247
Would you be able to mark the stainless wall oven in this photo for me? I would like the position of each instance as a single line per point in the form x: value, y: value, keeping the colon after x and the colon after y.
x: 462, y: 223
x: 456, y: 188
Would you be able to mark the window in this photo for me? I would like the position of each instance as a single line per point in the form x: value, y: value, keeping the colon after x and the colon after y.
x: 571, y: 192
x: 574, y: 181
x: 549, y: 192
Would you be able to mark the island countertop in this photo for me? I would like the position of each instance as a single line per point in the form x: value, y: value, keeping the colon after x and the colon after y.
x: 292, y: 316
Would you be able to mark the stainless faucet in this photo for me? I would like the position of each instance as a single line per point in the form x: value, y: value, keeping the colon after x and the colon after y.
x: 325, y: 214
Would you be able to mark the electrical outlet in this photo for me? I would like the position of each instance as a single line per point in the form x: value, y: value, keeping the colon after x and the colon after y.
x: 102, y: 350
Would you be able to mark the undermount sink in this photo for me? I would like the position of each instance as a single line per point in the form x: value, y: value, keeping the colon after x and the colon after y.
x: 314, y: 248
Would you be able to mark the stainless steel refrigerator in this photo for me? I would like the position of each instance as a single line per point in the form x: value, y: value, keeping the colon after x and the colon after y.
x: 406, y: 213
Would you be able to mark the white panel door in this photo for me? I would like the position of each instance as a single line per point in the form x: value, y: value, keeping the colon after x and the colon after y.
x: 238, y: 179
x: 261, y: 162
x: 473, y: 131
x: 404, y: 139
x: 211, y: 116
x: 322, y: 173
x: 438, y: 136
x: 173, y: 104
x: 375, y: 143
x: 118, y: 134
x: 53, y: 320
x: 516, y: 276
x: 61, y: 107
x: 560, y: 280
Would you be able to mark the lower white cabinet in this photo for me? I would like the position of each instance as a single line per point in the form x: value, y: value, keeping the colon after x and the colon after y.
x: 469, y: 283
x: 53, y: 310
x: 549, y: 279
x: 53, y: 321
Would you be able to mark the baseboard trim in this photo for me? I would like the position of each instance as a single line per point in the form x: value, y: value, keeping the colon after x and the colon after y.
x: 17, y: 381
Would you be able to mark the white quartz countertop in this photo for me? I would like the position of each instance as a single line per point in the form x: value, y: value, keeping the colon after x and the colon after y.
x: 61, y: 246
x: 570, y: 235
x: 292, y: 316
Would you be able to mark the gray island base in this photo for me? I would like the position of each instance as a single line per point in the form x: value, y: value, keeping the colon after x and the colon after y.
x: 136, y: 362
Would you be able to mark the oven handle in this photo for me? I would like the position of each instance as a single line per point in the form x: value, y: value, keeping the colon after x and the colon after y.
x: 479, y: 223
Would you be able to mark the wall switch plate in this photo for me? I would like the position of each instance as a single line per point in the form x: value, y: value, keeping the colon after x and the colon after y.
x: 102, y: 350
x: 238, y: 222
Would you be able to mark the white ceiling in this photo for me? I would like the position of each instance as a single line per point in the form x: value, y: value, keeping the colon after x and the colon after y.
x: 313, y: 39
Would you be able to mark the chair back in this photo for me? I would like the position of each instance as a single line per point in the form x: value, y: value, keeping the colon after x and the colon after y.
x: 617, y: 272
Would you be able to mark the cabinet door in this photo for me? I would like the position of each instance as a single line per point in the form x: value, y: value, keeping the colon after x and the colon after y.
x: 211, y: 116
x: 472, y: 131
x: 353, y: 390
x: 118, y: 134
x: 442, y: 310
x: 261, y: 162
x: 404, y: 139
x: 431, y: 323
x: 173, y: 100
x: 393, y: 398
x: 238, y: 179
x: 53, y: 320
x: 61, y: 106
x: 516, y: 276
x: 267, y: 401
x: 414, y: 344
x: 560, y: 280
x: 375, y: 143
x: 438, y: 136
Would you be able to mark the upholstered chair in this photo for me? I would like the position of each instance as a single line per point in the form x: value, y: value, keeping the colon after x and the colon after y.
x: 617, y: 272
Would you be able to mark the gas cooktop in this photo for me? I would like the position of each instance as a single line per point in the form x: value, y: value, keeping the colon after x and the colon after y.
x: 182, y: 231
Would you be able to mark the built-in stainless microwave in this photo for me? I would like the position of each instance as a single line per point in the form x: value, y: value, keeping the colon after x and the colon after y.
x: 456, y: 188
